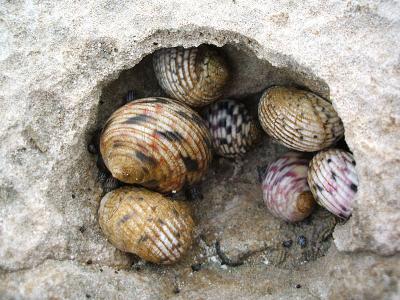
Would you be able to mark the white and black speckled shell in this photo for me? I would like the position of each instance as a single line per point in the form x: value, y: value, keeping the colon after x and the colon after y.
x: 299, y: 119
x: 285, y: 189
x: 158, y: 143
x: 333, y: 180
x: 196, y: 76
x: 147, y: 224
x: 232, y: 128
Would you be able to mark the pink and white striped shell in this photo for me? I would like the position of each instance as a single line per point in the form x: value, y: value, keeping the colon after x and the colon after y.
x: 333, y: 180
x: 285, y: 189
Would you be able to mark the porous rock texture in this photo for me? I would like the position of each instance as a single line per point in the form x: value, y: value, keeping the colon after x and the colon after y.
x: 57, y: 60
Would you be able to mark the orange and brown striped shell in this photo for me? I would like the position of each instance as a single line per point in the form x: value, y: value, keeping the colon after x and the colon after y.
x: 158, y: 143
x: 147, y: 224
x: 299, y: 119
x: 196, y: 76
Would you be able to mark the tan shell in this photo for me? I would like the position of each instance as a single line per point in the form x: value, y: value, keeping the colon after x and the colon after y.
x: 299, y: 119
x: 196, y: 76
x: 158, y: 143
x: 147, y: 224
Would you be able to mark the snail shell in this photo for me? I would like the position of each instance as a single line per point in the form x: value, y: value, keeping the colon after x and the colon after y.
x: 196, y: 76
x: 299, y: 119
x: 158, y: 143
x: 232, y: 128
x: 333, y: 181
x: 110, y: 184
x: 285, y: 189
x: 147, y: 224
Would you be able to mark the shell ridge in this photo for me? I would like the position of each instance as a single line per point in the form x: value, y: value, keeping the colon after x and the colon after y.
x: 158, y: 236
x: 284, y: 183
x: 299, y: 119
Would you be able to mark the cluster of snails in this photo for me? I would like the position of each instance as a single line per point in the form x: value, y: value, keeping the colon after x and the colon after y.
x: 161, y: 145
x: 303, y: 121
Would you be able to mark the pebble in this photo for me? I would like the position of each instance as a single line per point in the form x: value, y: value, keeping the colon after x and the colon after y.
x: 196, y: 267
x: 287, y: 243
x: 302, y: 241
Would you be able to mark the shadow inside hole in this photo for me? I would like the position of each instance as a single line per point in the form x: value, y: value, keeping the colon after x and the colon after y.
x: 250, y: 75
x: 140, y: 78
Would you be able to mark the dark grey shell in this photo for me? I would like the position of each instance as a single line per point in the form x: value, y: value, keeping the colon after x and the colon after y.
x: 232, y: 128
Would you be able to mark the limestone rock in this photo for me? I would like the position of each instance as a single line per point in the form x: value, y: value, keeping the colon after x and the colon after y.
x: 58, y: 63
x: 70, y: 280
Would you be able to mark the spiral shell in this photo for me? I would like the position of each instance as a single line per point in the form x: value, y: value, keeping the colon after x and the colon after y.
x: 285, y: 189
x: 333, y: 181
x: 195, y: 76
x: 232, y: 128
x: 110, y: 184
x: 147, y: 224
x: 158, y: 143
x: 299, y: 119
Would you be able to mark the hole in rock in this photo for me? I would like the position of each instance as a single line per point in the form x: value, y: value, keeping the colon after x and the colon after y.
x: 232, y: 214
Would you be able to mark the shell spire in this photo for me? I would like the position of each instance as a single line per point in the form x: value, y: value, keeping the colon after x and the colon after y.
x: 285, y: 189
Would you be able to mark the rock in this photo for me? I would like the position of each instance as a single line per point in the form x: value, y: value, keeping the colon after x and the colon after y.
x: 70, y: 280
x: 333, y: 277
x: 58, y: 69
x: 375, y: 278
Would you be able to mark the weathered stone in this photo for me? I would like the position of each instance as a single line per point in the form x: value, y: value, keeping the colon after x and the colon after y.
x: 58, y: 63
x: 332, y: 277
x: 71, y: 280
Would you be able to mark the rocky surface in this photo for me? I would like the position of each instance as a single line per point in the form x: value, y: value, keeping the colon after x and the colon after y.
x: 58, y: 68
x: 373, y: 279
x: 59, y: 279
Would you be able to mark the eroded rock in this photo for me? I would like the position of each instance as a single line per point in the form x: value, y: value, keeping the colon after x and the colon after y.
x: 57, y: 64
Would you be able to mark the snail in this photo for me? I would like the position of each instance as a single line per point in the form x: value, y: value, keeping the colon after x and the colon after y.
x: 147, y: 224
x: 333, y: 181
x: 110, y: 184
x: 104, y: 177
x: 130, y: 96
x: 196, y: 76
x: 158, y: 143
x: 232, y: 128
x: 299, y: 119
x: 285, y: 189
